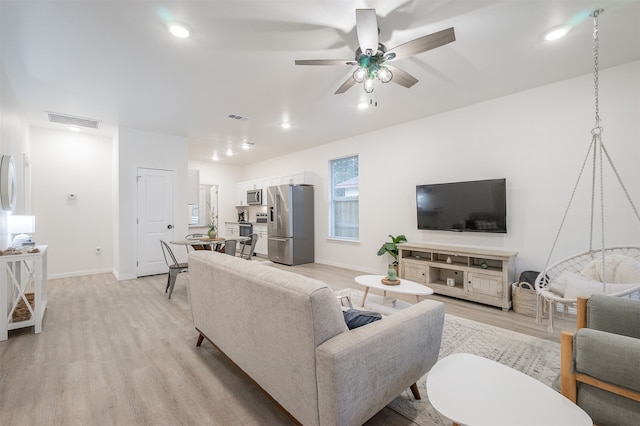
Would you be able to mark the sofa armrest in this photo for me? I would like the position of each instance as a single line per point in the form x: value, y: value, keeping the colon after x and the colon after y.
x: 362, y: 370
x: 608, y: 357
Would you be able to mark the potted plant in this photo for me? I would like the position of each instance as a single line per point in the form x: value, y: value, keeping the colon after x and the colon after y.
x: 392, y: 248
x: 212, y: 224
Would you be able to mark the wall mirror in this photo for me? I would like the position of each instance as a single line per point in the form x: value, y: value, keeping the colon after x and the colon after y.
x: 7, y: 183
x: 207, y: 202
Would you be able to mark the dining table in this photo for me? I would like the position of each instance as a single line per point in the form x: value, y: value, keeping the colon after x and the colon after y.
x: 206, y: 243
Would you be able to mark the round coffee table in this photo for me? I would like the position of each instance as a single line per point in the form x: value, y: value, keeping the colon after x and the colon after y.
x: 472, y: 390
x: 405, y: 286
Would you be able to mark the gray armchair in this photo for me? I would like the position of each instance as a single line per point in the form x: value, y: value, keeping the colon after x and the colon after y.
x: 600, y: 363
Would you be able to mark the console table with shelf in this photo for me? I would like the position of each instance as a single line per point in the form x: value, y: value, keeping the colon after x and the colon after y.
x: 21, y: 274
x: 478, y: 274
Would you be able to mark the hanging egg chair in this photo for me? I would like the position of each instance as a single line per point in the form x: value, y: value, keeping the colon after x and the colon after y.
x: 614, y: 270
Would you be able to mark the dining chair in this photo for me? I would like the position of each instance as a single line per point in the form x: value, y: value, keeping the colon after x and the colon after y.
x: 230, y: 247
x: 249, y: 248
x: 175, y: 267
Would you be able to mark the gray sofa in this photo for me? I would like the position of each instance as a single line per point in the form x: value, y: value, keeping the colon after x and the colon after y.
x: 287, y: 332
x: 600, y: 369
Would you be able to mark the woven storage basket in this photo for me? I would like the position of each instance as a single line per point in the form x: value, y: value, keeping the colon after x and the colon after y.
x: 525, y: 300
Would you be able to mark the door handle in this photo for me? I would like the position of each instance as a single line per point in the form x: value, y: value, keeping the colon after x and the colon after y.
x: 169, y: 226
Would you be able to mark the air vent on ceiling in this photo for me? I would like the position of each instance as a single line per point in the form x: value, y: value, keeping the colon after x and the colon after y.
x: 70, y: 120
x: 237, y: 117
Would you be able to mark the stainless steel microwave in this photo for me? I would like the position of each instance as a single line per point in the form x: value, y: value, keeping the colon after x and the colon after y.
x: 254, y: 196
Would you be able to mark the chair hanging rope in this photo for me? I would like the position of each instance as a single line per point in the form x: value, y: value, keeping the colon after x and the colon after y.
x: 597, y: 146
x: 578, y: 262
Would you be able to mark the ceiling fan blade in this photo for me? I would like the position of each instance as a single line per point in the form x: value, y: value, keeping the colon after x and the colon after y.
x: 422, y: 44
x: 367, y: 29
x: 325, y: 62
x: 345, y: 86
x: 401, y: 77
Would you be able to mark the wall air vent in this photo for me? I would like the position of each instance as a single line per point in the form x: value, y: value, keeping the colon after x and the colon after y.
x: 237, y: 117
x: 70, y: 120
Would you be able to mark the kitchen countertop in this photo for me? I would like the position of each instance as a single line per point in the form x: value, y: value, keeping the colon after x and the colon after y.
x: 252, y: 223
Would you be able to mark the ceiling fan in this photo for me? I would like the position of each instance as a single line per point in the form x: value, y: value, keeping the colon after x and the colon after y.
x: 372, y: 57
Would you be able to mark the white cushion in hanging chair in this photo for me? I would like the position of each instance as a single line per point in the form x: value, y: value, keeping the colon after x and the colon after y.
x: 618, y: 269
x: 622, y: 274
x: 571, y: 285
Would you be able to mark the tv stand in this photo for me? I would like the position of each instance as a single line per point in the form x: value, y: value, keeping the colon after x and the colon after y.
x: 478, y: 274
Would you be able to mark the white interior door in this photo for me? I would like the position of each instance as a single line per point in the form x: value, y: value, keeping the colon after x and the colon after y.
x: 155, y: 219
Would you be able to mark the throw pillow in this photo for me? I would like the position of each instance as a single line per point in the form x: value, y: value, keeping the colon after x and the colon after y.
x: 355, y: 318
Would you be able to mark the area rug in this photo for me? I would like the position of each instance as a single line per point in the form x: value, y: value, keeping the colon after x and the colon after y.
x: 535, y: 357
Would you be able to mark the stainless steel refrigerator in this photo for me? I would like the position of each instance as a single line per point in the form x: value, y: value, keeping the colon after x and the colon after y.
x: 290, y: 224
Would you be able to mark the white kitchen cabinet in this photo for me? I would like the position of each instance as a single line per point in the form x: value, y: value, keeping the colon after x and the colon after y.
x: 243, y: 187
x: 240, y: 196
x: 297, y: 179
x: 231, y: 229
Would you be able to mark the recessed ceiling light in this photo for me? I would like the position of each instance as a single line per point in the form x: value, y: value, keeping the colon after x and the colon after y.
x: 363, y: 105
x: 285, y: 125
x: 245, y: 146
x: 556, y: 34
x: 229, y: 152
x: 178, y: 30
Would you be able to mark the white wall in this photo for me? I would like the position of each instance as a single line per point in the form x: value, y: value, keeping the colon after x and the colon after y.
x: 14, y: 141
x: 536, y: 139
x: 136, y: 149
x: 64, y: 162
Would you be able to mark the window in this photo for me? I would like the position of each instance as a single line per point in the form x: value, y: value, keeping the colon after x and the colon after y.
x: 344, y: 215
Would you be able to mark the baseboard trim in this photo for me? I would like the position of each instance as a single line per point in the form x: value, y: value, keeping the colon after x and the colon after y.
x: 346, y: 266
x: 79, y: 273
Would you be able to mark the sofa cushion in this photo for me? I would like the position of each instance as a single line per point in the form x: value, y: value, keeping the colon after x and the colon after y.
x: 355, y: 318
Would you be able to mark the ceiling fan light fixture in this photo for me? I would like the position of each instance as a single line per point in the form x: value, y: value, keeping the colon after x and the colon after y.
x: 385, y: 75
x: 369, y: 85
x: 359, y: 75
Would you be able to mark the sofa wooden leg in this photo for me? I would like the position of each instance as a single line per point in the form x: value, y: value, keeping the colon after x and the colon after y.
x: 415, y: 391
x: 200, y: 339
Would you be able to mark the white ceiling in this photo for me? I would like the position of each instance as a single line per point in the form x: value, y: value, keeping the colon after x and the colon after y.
x: 116, y: 62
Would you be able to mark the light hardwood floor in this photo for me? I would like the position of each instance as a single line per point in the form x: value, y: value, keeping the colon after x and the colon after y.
x: 120, y: 353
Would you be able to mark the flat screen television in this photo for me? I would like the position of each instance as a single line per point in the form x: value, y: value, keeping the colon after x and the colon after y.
x: 474, y: 206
